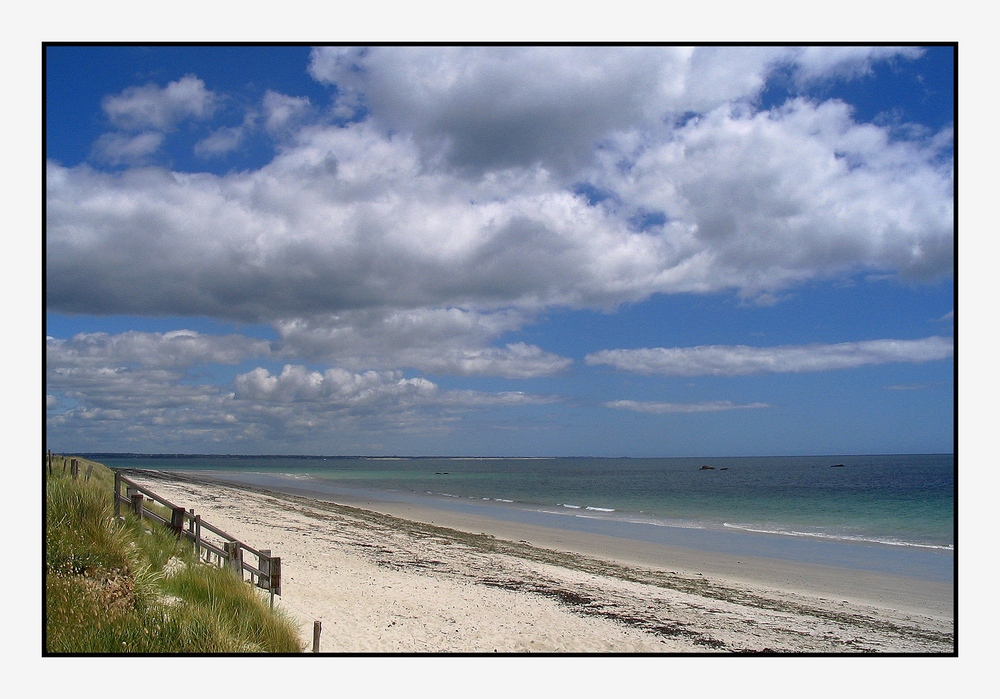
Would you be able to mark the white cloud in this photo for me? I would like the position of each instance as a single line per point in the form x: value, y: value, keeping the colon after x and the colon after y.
x: 815, y: 63
x: 122, y: 148
x: 281, y: 110
x: 176, y: 349
x: 440, y: 341
x: 516, y: 361
x: 221, y: 141
x: 338, y: 388
x: 762, y: 201
x: 347, y: 218
x: 152, y: 390
x: 297, y: 383
x: 659, y: 408
x: 739, y: 360
x: 153, y: 107
x: 490, y: 108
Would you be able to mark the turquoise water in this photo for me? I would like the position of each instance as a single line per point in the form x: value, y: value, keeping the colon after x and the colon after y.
x: 904, y: 501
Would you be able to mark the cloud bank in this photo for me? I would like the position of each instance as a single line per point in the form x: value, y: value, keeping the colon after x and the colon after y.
x: 488, y: 179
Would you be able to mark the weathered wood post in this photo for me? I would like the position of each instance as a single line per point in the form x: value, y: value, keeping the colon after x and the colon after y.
x: 136, y: 499
x: 74, y: 468
x: 234, y: 552
x: 50, y: 462
x: 274, y: 578
x: 90, y: 472
x: 317, y: 630
x: 264, y: 565
x: 177, y: 520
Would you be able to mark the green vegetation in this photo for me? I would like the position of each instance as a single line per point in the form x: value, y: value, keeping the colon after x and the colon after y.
x: 131, y: 586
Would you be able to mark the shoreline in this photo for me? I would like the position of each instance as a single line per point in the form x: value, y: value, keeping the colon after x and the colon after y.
x: 517, y: 587
x: 857, y: 586
x: 934, y: 564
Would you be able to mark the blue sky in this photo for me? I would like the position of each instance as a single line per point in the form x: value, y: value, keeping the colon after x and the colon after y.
x: 611, y: 251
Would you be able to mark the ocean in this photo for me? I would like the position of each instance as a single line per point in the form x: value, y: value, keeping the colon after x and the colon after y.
x: 891, y: 513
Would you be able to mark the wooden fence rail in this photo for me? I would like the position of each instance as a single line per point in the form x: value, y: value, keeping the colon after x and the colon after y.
x: 264, y: 569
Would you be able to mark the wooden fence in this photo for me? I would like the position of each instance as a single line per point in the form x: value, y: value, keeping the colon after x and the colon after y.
x: 74, y: 467
x: 209, y: 541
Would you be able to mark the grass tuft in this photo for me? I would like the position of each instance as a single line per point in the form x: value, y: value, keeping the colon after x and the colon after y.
x: 107, y: 590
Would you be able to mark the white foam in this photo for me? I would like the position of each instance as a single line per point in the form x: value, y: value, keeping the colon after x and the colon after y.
x: 837, y: 537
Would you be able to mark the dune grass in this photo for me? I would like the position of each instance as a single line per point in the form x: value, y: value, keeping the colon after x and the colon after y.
x: 130, y: 586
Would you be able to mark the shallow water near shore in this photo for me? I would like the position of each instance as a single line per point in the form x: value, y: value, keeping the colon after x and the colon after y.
x: 891, y: 514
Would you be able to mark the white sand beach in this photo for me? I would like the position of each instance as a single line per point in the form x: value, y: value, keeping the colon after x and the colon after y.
x: 395, y: 578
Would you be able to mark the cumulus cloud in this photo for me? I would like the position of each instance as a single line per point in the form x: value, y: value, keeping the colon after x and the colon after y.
x: 496, y: 107
x: 814, y: 63
x: 340, y: 388
x: 348, y: 219
x: 151, y: 389
x: 280, y: 111
x: 500, y: 107
x: 760, y: 201
x: 660, y: 408
x: 739, y: 360
x: 442, y: 341
x: 153, y: 107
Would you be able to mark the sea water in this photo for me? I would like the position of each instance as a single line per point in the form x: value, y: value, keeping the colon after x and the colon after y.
x: 893, y: 513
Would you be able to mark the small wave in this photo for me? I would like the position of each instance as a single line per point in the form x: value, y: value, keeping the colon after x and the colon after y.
x: 839, y: 537
x: 502, y: 500
x: 572, y: 507
x: 601, y: 509
x: 670, y: 523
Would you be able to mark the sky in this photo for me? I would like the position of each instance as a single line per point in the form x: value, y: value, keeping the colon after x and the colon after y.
x: 500, y: 250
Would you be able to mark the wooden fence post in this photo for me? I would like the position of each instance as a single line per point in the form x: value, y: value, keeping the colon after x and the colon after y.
x: 136, y: 498
x: 317, y: 630
x: 50, y: 462
x: 90, y: 471
x: 235, y: 554
x: 177, y: 520
x: 264, y: 565
x: 274, y: 578
x: 74, y: 468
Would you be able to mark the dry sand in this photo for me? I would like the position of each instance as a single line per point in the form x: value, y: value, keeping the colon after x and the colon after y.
x: 393, y: 578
